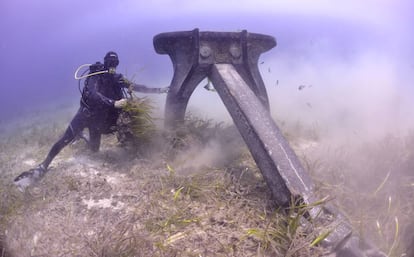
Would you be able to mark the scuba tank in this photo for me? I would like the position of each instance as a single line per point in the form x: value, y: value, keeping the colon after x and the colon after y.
x: 97, y: 68
x: 94, y: 69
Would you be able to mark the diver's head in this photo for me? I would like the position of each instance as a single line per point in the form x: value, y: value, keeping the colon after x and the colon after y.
x: 111, y: 61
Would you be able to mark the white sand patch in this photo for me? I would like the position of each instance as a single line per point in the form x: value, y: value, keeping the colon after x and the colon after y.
x: 36, y: 237
x: 103, y: 203
x: 29, y: 162
x: 90, y: 172
x: 114, y: 179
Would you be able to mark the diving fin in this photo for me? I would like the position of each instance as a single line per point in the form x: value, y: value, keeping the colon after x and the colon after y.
x: 29, y: 177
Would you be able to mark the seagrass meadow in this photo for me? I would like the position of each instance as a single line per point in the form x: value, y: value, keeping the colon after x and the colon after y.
x: 195, y: 191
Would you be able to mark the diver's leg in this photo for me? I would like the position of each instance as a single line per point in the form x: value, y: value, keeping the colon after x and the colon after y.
x: 75, y: 128
x: 31, y: 176
x: 28, y: 177
x: 94, y: 138
x: 59, y: 145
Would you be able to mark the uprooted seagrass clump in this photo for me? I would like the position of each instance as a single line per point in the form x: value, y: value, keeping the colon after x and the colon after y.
x: 135, y: 125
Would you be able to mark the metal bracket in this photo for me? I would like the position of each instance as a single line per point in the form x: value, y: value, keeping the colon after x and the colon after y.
x: 230, y: 61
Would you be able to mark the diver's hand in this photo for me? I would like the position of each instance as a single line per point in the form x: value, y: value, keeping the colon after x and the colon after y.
x: 164, y: 90
x: 120, y: 103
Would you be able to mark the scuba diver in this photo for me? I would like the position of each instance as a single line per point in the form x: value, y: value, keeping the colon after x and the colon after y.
x: 102, y: 99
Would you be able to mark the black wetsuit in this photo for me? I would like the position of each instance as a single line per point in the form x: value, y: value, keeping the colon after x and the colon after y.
x: 96, y: 112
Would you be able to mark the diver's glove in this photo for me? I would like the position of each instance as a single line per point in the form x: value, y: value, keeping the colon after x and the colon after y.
x: 164, y: 90
x: 29, y: 177
x: 120, y: 103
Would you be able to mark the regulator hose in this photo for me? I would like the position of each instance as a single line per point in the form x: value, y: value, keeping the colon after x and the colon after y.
x: 87, y: 75
x: 82, y: 76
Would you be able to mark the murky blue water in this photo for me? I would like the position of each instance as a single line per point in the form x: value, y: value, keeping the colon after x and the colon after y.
x: 348, y: 52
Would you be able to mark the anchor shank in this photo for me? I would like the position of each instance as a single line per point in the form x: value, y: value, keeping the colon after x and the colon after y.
x: 278, y: 163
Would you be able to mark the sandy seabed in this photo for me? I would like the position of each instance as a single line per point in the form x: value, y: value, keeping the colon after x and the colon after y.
x: 120, y: 203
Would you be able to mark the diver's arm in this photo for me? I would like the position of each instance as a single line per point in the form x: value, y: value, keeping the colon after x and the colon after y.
x: 145, y: 89
x: 125, y: 83
x: 98, y: 96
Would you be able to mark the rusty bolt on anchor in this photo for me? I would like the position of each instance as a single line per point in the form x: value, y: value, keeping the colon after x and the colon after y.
x: 205, y: 52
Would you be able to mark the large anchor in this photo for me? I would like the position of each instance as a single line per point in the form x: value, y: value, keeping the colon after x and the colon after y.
x: 230, y: 61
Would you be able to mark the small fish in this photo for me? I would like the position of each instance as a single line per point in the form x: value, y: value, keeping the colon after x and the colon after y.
x: 209, y: 86
x: 261, y: 62
x: 303, y: 86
